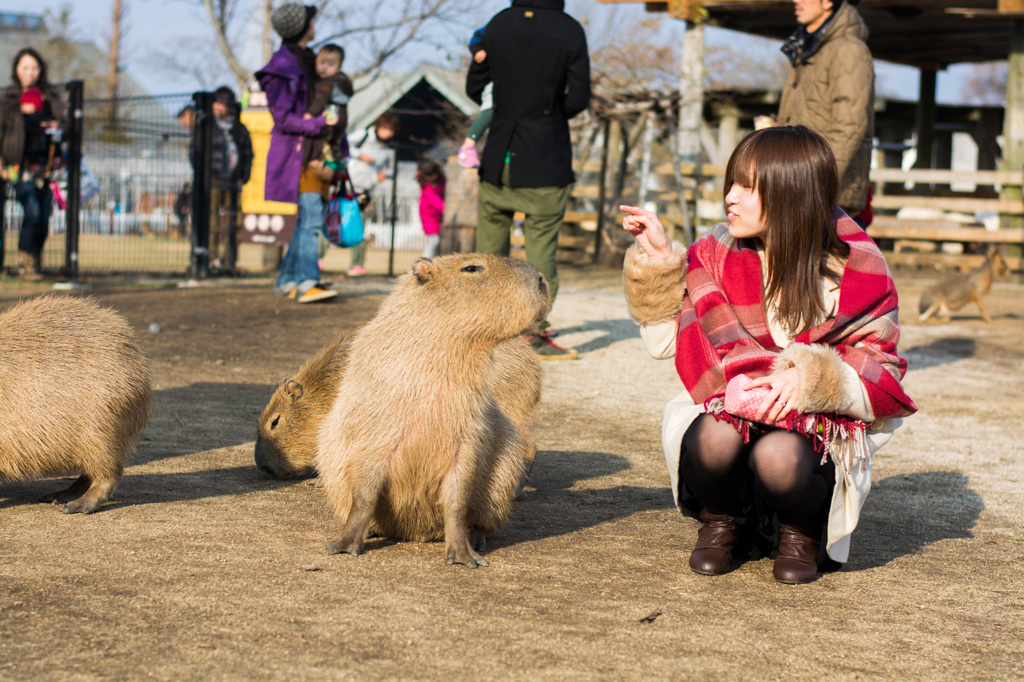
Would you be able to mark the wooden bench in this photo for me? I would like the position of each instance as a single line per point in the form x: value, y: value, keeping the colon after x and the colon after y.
x: 918, y: 242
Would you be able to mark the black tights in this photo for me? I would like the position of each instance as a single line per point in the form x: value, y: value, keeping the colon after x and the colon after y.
x: 787, y: 472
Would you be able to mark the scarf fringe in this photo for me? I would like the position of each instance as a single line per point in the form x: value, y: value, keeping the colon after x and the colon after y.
x: 841, y: 438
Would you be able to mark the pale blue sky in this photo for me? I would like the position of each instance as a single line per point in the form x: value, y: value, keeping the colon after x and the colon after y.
x: 156, y: 22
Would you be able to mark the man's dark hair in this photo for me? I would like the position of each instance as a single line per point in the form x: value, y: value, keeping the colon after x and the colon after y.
x: 331, y: 48
x: 224, y: 95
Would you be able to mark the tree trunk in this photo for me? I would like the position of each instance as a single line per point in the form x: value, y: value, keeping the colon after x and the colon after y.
x: 113, y: 64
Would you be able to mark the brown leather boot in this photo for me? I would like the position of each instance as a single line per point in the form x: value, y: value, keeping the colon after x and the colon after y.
x: 797, y: 562
x: 712, y: 555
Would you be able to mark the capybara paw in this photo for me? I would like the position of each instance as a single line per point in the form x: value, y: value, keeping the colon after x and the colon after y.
x: 466, y: 556
x: 81, y: 506
x: 345, y: 546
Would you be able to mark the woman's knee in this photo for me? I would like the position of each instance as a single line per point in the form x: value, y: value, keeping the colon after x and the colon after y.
x: 783, y: 456
x: 712, y: 444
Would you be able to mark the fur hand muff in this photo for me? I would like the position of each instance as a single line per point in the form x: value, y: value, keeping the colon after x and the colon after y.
x: 822, y: 385
x: 654, y: 289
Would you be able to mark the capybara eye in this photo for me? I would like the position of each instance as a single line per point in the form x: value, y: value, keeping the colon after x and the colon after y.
x: 273, y: 424
x: 473, y: 268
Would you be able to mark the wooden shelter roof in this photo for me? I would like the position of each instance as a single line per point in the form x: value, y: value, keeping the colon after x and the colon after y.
x: 927, y: 34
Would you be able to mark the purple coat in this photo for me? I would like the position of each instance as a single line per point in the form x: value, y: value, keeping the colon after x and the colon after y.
x: 286, y: 87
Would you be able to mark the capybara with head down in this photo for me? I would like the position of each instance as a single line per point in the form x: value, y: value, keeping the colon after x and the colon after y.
x: 75, y: 392
x: 425, y: 437
x: 288, y: 428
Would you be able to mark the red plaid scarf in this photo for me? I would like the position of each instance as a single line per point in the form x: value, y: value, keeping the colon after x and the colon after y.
x: 723, y: 331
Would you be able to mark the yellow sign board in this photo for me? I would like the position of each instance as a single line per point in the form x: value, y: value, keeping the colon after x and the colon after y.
x: 260, y: 123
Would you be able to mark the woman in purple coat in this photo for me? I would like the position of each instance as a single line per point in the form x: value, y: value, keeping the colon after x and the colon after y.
x: 287, y: 80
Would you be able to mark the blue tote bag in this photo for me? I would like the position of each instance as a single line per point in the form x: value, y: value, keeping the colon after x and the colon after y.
x: 343, y: 223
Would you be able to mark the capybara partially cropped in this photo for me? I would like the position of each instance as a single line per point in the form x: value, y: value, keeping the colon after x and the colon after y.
x: 74, y: 393
x: 427, y: 436
x: 288, y: 428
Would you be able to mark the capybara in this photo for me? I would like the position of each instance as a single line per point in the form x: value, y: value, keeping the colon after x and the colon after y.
x: 74, y: 392
x: 426, y: 437
x: 289, y: 426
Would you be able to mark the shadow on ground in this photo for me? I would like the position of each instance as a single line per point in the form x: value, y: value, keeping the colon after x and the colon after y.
x: 202, y: 416
x: 560, y: 500
x: 154, y: 488
x: 614, y: 330
x: 940, y: 352
x: 905, y: 513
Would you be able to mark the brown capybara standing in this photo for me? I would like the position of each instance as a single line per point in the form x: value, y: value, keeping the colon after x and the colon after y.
x: 74, y: 393
x: 288, y: 428
x: 417, y: 439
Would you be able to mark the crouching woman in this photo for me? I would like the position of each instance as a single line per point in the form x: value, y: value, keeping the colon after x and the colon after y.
x: 783, y: 323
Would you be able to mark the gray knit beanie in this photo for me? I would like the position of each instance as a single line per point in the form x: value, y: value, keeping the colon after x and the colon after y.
x: 291, y: 20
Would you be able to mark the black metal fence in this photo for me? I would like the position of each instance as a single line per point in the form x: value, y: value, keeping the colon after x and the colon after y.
x: 126, y: 199
x: 118, y: 192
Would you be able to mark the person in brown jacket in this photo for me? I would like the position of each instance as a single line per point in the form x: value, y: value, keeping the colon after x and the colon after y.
x: 831, y: 89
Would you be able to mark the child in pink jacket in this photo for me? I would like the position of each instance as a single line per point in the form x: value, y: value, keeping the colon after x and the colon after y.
x: 430, y: 175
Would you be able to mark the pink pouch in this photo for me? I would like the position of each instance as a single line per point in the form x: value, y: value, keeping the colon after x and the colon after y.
x: 745, y: 404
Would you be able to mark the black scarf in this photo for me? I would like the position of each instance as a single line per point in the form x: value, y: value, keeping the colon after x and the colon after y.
x: 802, y: 44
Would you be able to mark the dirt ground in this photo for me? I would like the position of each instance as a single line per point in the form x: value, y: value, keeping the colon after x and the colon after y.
x: 202, y: 568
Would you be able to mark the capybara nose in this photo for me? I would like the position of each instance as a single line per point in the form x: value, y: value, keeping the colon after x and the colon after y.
x: 270, y: 471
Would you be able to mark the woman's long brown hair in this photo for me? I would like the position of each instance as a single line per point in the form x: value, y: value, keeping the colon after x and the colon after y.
x: 794, y: 171
x: 39, y: 60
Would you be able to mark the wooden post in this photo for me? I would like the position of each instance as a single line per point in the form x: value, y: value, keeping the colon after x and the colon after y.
x: 458, y: 228
x: 601, y: 181
x: 728, y: 132
x: 691, y: 93
x: 1013, y: 121
x: 925, y: 123
x: 645, y: 163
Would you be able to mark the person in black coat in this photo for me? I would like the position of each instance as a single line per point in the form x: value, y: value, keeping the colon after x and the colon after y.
x: 230, y: 168
x: 538, y: 62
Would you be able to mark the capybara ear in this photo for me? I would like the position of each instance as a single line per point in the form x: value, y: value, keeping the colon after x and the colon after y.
x: 422, y: 269
x: 293, y: 388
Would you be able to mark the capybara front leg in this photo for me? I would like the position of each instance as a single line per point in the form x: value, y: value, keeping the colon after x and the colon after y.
x: 461, y: 550
x: 353, y: 536
x: 93, y: 498
x: 477, y: 540
x: 459, y: 483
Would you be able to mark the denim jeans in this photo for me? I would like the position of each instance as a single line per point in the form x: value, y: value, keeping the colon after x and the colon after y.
x: 35, y: 224
x: 300, y: 266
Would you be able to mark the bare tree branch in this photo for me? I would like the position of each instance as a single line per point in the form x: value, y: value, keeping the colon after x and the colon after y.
x: 220, y: 19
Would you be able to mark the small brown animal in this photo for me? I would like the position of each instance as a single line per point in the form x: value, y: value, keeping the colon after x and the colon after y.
x: 288, y: 428
x: 75, y: 392
x: 958, y: 290
x: 426, y: 436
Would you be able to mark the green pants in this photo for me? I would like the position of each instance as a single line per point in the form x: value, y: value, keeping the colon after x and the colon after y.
x: 544, y: 208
